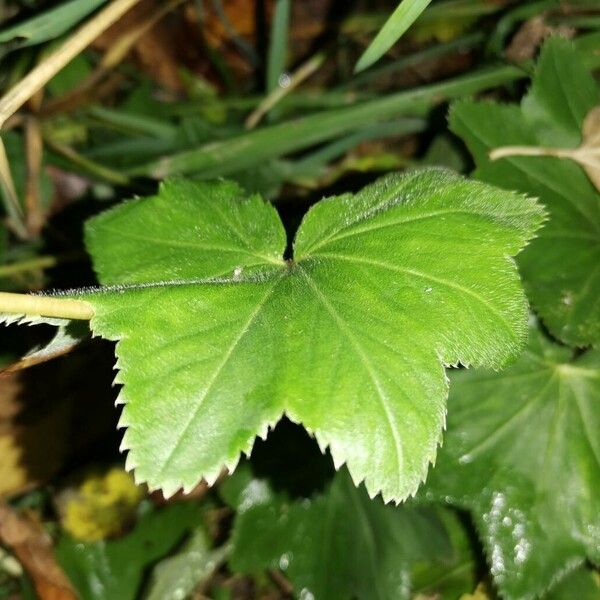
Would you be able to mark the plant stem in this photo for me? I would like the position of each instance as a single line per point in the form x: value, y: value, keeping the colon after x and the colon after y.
x: 88, y: 165
x: 584, y: 155
x: 45, y: 306
x: 280, y: 92
x: 505, y: 151
x: 46, y: 70
x: 34, y: 81
x: 16, y: 220
x: 36, y: 264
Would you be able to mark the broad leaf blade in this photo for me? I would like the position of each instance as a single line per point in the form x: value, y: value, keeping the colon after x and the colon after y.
x: 560, y: 267
x: 561, y: 95
x: 351, y: 348
x: 199, y: 364
x: 188, y: 231
x: 521, y: 451
x: 448, y: 576
x: 404, y: 252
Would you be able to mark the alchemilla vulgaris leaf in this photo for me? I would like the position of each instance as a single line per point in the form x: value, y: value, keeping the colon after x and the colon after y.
x: 561, y: 268
x: 522, y: 453
x: 219, y: 336
x: 339, y: 544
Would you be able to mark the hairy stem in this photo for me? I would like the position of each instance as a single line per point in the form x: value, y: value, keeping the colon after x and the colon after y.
x: 280, y: 92
x: 45, y: 306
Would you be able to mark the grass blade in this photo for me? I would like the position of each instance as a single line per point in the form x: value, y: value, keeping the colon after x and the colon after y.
x: 253, y: 148
x: 48, y: 25
x: 279, y: 44
x: 402, y: 18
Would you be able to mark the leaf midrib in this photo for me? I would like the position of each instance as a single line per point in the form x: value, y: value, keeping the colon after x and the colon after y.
x: 345, y: 330
x: 345, y: 232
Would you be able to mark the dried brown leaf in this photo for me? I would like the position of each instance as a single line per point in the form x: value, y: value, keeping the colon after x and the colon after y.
x: 34, y: 549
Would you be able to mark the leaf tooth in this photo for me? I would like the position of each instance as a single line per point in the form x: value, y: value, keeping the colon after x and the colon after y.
x: 124, y: 423
x: 188, y: 487
x: 120, y: 400
x: 262, y: 434
x: 338, y: 463
x: 130, y: 463
x: 168, y: 489
x: 125, y: 441
x: 212, y: 477
x: 118, y: 379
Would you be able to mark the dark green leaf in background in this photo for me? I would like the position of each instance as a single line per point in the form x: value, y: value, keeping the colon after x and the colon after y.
x: 450, y: 576
x: 176, y: 577
x: 109, y: 570
x: 562, y: 266
x: 522, y: 452
x: 583, y: 583
x: 340, y: 544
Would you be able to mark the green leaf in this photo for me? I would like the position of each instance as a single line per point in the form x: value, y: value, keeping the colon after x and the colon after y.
x: 340, y: 544
x: 189, y: 231
x: 402, y: 18
x: 278, y: 47
x: 582, y: 583
x: 114, y: 569
x: 177, y: 576
x: 448, y: 576
x: 561, y: 268
x: 50, y: 24
x: 218, y: 336
x: 522, y: 453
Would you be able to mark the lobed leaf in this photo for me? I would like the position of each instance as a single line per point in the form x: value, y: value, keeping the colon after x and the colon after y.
x: 349, y: 338
x: 338, y: 544
x: 561, y: 267
x: 522, y: 453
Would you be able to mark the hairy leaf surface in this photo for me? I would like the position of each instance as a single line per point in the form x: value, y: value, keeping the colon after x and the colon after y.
x: 218, y: 336
x: 339, y: 544
x: 522, y: 452
x: 562, y: 266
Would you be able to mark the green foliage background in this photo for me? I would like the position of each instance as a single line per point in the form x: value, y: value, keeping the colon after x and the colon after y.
x: 390, y: 383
